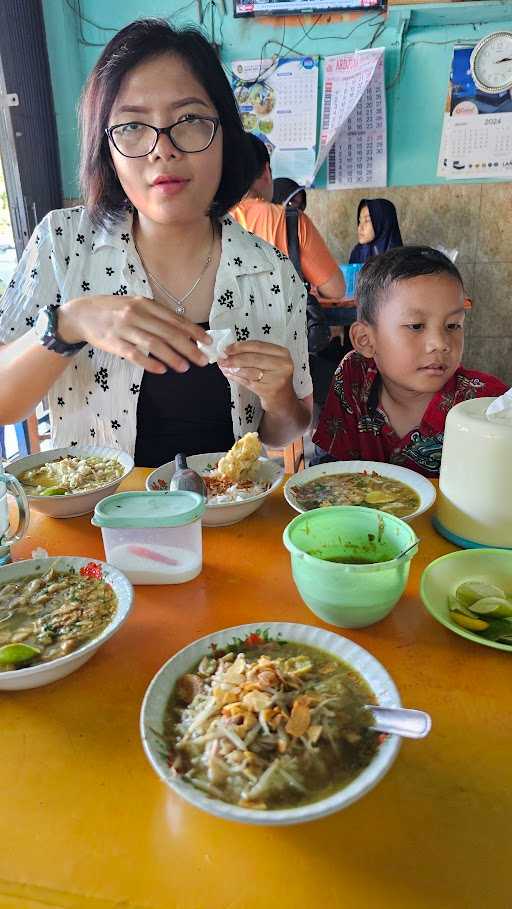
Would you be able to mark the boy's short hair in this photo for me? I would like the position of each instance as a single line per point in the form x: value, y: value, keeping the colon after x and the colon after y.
x: 260, y: 153
x: 399, y: 264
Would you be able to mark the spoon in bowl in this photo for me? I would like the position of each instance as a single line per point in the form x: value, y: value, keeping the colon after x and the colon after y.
x: 410, y: 724
x: 405, y: 551
x: 184, y: 478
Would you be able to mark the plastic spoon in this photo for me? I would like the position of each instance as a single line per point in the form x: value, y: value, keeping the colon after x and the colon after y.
x: 410, y: 724
x: 186, y: 478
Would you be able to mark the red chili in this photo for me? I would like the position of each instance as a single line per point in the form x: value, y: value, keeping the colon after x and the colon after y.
x: 92, y: 570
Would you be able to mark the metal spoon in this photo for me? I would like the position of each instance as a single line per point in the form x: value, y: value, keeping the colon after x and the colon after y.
x: 186, y: 478
x: 405, y: 551
x: 410, y: 724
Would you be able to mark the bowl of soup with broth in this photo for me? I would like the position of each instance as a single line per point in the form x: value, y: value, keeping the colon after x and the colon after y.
x: 369, y: 484
x: 54, y: 615
x: 67, y: 482
x: 269, y: 724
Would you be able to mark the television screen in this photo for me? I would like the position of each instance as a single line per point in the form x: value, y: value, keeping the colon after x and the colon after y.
x: 293, y: 7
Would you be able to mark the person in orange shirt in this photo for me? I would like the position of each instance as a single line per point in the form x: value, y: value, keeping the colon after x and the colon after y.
x: 257, y: 214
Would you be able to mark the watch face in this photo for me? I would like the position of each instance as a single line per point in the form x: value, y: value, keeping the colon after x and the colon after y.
x: 42, y: 324
x: 491, y: 63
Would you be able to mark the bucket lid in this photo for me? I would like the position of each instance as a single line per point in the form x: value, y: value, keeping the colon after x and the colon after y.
x: 148, y: 509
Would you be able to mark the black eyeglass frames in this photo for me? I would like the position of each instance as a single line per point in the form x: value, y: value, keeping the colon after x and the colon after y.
x: 190, y: 134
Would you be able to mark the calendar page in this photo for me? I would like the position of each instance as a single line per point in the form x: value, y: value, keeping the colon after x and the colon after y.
x: 359, y: 154
x: 278, y: 103
x: 476, y: 141
x: 353, y: 133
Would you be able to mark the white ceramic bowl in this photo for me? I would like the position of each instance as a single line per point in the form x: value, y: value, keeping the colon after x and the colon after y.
x: 78, y: 502
x: 416, y: 481
x: 35, y: 676
x: 219, y: 515
x: 157, y: 696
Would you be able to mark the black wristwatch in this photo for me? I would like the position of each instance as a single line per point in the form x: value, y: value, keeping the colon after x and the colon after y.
x: 46, y: 329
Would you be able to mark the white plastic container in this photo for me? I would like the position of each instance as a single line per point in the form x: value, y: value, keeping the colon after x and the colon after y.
x: 153, y: 537
x: 475, y: 480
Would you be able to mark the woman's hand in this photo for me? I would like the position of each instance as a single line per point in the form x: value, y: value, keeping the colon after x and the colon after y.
x: 265, y: 369
x: 136, y: 328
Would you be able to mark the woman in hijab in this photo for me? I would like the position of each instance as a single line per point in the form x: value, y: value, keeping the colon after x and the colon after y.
x: 377, y: 229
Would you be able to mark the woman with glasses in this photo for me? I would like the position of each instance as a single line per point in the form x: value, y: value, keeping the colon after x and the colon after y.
x: 110, y: 299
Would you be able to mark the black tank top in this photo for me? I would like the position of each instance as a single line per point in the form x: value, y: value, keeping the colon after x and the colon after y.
x: 186, y: 412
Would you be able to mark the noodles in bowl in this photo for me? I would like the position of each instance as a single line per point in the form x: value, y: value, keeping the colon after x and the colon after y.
x: 269, y: 726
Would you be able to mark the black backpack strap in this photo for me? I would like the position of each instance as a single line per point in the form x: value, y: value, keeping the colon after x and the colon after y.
x: 292, y: 238
x: 319, y: 334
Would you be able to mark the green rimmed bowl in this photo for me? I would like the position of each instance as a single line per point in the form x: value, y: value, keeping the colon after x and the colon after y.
x: 443, y: 576
x: 350, y: 595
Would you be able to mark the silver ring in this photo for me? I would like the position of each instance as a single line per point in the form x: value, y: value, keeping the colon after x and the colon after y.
x: 260, y: 376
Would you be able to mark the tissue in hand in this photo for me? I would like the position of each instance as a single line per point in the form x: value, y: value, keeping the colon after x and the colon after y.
x: 222, y: 338
x: 501, y: 408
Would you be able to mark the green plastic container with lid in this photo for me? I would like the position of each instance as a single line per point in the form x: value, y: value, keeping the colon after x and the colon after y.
x: 153, y: 537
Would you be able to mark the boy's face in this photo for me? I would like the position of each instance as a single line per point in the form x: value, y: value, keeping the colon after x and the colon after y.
x: 418, y: 337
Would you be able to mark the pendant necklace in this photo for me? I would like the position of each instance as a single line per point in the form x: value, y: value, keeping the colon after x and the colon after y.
x: 178, y: 302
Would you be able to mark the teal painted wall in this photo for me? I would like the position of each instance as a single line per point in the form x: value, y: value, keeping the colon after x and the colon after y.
x: 419, y: 41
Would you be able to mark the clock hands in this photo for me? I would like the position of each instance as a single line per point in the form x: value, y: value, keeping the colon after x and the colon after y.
x: 505, y: 60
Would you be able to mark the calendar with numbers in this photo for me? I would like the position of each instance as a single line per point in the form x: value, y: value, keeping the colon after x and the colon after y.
x: 353, y: 133
x: 278, y: 102
x: 476, y: 141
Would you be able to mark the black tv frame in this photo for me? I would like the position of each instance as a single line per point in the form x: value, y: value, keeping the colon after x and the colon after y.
x: 354, y: 6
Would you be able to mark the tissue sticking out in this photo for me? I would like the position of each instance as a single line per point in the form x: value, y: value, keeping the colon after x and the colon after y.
x: 501, y: 408
x: 222, y: 338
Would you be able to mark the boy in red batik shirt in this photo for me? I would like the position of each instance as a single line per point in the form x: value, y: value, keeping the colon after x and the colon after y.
x: 389, y: 396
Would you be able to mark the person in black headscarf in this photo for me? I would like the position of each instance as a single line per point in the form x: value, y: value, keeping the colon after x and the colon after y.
x: 287, y: 192
x: 377, y: 229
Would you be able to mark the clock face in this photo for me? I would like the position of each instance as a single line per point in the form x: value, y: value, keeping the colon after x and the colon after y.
x: 491, y: 62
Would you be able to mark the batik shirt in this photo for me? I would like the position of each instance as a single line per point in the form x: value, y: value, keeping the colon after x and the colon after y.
x: 257, y: 294
x: 354, y: 427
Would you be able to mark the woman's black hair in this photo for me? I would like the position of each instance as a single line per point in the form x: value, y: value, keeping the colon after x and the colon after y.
x: 260, y: 154
x: 141, y: 40
x: 400, y: 264
x: 285, y: 190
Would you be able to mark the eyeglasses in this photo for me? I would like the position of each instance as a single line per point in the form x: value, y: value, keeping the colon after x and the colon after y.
x: 191, y: 134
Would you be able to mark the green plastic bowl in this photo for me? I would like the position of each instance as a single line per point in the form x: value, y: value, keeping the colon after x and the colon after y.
x: 349, y: 595
x: 443, y: 576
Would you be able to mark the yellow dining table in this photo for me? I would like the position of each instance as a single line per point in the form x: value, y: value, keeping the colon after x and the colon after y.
x: 85, y: 822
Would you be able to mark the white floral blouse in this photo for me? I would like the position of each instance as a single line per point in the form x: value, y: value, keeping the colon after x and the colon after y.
x: 257, y: 294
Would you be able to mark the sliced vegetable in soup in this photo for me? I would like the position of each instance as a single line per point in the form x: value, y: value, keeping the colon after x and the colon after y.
x: 369, y: 489
x: 47, y: 616
x: 276, y: 725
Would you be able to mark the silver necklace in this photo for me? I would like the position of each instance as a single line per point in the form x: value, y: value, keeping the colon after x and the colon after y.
x: 178, y: 302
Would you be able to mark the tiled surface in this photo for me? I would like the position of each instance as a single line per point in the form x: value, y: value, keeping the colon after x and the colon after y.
x: 495, y: 227
x: 476, y: 220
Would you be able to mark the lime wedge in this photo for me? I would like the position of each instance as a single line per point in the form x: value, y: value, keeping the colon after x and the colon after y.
x: 12, y: 654
x: 53, y: 491
x: 379, y: 497
x: 472, y: 624
x: 469, y: 592
x: 455, y: 606
x: 495, y: 606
